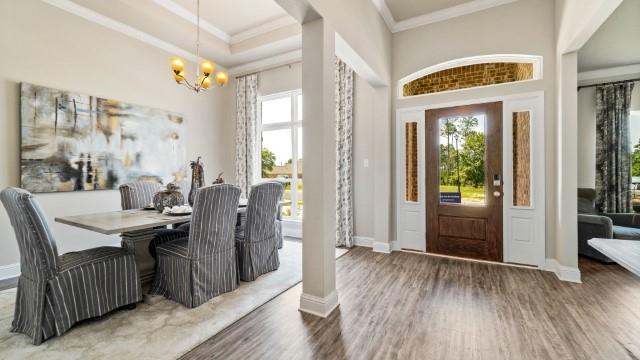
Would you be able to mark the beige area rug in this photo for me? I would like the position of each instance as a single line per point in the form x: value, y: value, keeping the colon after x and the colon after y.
x: 157, y: 328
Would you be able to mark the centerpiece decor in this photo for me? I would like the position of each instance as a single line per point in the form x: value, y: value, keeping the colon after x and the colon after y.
x: 168, y: 198
x: 197, y: 178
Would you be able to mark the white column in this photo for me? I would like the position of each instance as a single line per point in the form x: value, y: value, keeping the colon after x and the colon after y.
x: 566, y: 234
x: 319, y: 296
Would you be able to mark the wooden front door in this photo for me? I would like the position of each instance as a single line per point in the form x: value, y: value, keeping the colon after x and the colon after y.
x: 464, y: 181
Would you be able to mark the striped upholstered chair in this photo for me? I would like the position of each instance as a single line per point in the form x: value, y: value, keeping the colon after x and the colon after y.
x: 196, y: 268
x: 55, y: 292
x: 257, y: 241
x: 139, y: 194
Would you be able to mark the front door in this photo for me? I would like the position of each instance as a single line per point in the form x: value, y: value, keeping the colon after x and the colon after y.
x: 464, y: 181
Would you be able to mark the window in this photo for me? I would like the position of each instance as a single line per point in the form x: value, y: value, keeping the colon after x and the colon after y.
x: 280, y: 122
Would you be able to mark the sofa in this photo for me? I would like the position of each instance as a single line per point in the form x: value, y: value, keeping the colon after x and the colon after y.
x: 592, y: 224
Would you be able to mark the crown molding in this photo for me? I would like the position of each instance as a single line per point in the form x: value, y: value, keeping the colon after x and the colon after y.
x: 90, y: 15
x: 609, y: 72
x: 262, y: 29
x: 384, y: 11
x: 435, y: 16
x: 179, y: 11
x: 262, y: 64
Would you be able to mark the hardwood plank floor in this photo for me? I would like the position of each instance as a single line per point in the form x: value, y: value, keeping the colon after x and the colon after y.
x: 412, y: 306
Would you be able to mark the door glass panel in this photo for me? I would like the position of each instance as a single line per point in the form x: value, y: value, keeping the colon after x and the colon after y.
x: 522, y: 158
x: 462, y: 160
x: 411, y: 162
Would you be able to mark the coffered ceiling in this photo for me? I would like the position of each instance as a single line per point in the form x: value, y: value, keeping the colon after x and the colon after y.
x: 404, y: 9
x: 401, y: 15
x: 233, y: 33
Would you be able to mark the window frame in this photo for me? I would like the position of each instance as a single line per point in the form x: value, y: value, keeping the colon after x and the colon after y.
x: 294, y: 125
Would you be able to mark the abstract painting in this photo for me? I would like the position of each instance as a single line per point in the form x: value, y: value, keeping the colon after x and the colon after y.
x: 77, y: 142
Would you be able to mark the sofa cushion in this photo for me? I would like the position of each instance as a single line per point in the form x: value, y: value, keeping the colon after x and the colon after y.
x: 626, y: 233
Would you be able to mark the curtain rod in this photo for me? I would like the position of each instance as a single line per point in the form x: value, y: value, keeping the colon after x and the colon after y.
x: 609, y: 83
x: 268, y: 68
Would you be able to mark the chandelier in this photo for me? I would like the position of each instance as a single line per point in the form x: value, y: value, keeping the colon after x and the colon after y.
x: 207, y: 68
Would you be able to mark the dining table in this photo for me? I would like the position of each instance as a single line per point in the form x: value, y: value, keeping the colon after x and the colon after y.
x: 136, y: 229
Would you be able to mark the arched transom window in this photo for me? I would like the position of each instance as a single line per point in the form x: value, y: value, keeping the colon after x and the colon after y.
x: 470, y: 73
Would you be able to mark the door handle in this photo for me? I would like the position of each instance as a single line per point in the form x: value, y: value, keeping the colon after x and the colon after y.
x: 497, y: 194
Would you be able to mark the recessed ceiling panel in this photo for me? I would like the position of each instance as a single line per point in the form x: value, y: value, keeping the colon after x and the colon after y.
x: 235, y: 16
x: 404, y: 9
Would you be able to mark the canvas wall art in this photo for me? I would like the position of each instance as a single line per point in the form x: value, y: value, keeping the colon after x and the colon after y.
x: 77, y: 142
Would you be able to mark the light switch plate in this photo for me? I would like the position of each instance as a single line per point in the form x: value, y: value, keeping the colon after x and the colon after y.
x: 366, y: 163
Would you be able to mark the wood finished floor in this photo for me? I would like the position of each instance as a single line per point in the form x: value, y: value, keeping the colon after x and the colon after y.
x: 412, y: 306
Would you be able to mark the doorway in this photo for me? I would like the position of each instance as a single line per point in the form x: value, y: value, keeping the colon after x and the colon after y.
x: 464, y: 182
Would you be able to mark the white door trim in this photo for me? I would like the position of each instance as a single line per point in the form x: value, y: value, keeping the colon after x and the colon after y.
x: 539, y: 160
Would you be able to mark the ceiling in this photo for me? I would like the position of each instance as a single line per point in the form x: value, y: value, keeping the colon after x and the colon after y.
x: 233, y: 17
x: 615, y: 43
x: 230, y: 35
x: 405, y: 9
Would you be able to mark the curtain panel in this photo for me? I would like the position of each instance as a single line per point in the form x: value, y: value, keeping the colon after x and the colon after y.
x: 613, y: 152
x: 344, y: 153
x: 246, y: 124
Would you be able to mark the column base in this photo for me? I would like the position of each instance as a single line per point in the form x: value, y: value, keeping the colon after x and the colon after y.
x: 318, y: 306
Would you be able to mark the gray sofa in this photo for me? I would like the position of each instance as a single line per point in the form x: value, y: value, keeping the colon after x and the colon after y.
x: 592, y: 224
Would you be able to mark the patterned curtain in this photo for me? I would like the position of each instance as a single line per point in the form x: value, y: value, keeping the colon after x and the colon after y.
x: 613, y: 153
x: 246, y: 118
x: 344, y: 153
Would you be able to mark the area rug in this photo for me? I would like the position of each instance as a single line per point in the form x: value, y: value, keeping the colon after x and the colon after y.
x: 157, y: 328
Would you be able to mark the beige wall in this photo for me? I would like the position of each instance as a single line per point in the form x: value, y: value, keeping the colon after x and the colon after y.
x: 494, y: 31
x: 587, y: 133
x: 280, y: 79
x: 44, y: 45
x: 363, y: 193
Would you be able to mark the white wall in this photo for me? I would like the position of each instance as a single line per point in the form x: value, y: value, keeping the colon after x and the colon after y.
x: 44, y: 45
x: 505, y: 29
x: 587, y: 132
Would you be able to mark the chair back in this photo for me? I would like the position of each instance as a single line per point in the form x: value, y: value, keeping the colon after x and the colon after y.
x: 138, y: 194
x: 262, y: 211
x: 213, y: 221
x: 587, y: 201
x: 185, y: 188
x: 38, y: 251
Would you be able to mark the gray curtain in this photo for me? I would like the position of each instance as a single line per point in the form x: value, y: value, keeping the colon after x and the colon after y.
x: 246, y: 119
x: 344, y: 153
x: 613, y: 152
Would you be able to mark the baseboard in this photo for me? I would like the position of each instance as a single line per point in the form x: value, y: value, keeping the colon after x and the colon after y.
x: 385, y: 247
x: 364, y: 241
x: 564, y: 273
x: 318, y: 306
x: 9, y: 276
x: 9, y: 271
x: 292, y: 228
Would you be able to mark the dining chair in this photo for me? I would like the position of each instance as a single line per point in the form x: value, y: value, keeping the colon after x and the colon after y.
x: 139, y: 194
x: 257, y: 242
x: 56, y: 291
x: 196, y: 268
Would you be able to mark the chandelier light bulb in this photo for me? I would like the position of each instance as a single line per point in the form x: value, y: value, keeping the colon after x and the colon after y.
x: 207, y: 68
x: 222, y: 78
x: 177, y: 64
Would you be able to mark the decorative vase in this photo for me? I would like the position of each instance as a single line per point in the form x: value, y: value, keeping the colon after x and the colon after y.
x: 168, y: 198
x: 197, y: 179
x: 219, y: 179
